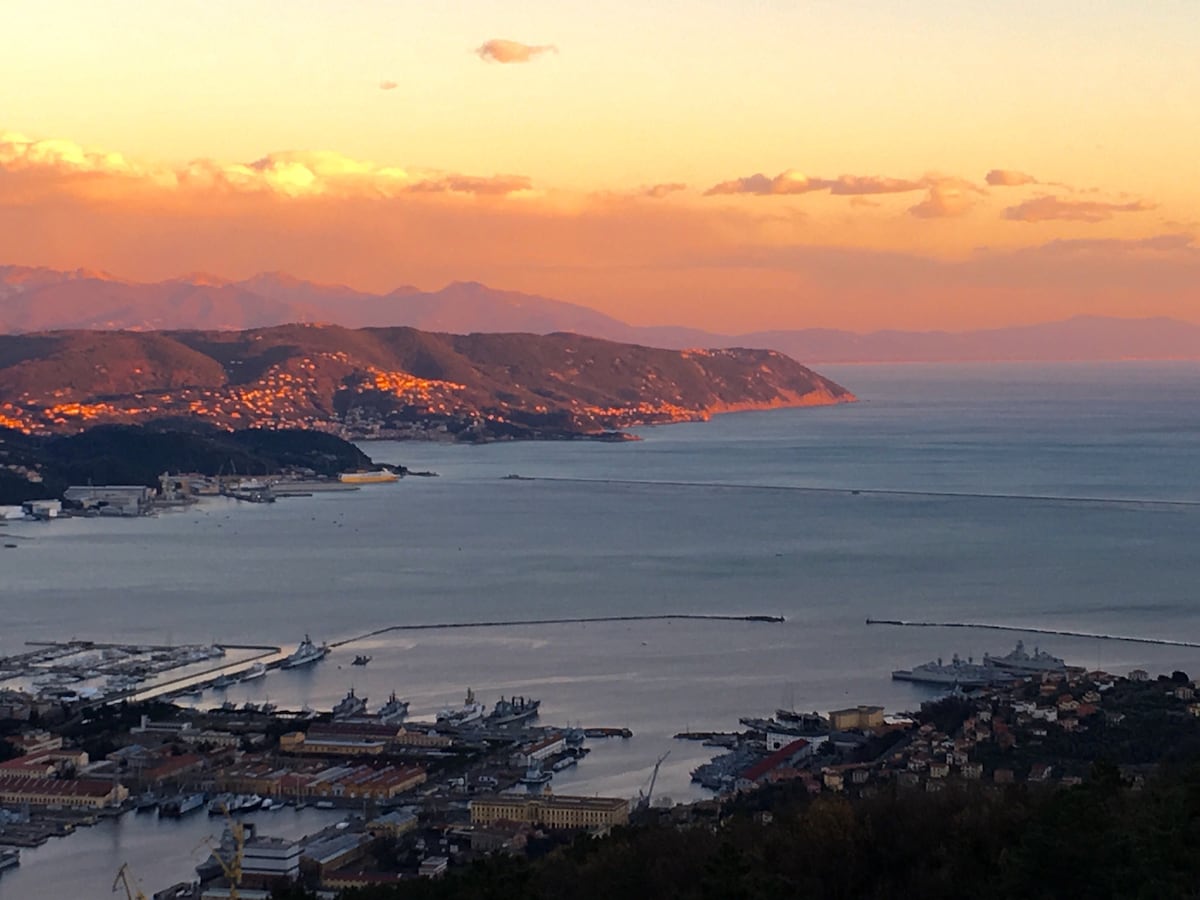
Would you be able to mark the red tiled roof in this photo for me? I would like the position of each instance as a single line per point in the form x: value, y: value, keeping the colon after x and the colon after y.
x: 75, y: 787
x: 776, y: 759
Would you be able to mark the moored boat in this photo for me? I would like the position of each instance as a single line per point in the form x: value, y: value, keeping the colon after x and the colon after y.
x: 518, y: 709
x: 384, y: 476
x: 180, y: 805
x: 258, y: 670
x: 957, y: 672
x: 305, y: 654
x: 1021, y: 661
x: 350, y: 705
x: 145, y: 802
x: 535, y: 776
x: 394, y: 710
x: 470, y: 711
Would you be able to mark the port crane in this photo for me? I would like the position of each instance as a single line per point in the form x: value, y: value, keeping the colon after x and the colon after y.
x: 232, y: 868
x: 644, y: 799
x: 132, y: 891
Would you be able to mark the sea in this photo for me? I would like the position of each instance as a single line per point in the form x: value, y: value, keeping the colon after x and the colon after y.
x: 1059, y: 496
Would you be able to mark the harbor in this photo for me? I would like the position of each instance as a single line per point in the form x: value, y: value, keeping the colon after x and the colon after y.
x: 364, y: 763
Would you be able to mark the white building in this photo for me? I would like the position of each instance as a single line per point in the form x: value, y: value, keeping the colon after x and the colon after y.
x: 268, y: 857
x: 543, y: 749
x: 433, y: 866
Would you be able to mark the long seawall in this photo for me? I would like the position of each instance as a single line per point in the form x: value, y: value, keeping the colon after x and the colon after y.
x: 1032, y: 629
x: 577, y: 620
x: 866, y: 492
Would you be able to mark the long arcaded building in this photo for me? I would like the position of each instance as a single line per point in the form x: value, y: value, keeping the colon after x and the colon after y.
x: 551, y: 811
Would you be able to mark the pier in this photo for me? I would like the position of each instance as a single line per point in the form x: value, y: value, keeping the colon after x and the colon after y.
x: 1032, y: 629
x: 575, y: 620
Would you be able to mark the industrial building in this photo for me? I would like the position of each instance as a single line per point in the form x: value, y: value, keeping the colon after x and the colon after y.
x: 112, y: 499
x: 860, y: 717
x: 266, y: 860
x: 61, y: 792
x: 551, y: 810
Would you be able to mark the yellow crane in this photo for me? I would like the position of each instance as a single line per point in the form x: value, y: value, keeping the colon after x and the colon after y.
x: 232, y: 868
x: 132, y: 891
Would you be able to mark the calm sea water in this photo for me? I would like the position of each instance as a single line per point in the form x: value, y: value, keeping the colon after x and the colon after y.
x: 701, y: 518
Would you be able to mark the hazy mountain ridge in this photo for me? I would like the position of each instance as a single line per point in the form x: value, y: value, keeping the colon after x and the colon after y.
x: 385, y: 382
x: 33, y: 299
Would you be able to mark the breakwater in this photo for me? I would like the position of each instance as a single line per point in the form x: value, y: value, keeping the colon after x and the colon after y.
x: 879, y: 492
x: 574, y: 620
x: 1033, y: 629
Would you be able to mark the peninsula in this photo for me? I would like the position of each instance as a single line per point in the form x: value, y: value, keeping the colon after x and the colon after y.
x: 393, y: 383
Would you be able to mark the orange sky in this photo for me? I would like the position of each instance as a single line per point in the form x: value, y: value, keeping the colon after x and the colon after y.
x: 782, y: 165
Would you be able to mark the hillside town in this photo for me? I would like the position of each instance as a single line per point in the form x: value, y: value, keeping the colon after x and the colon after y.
x: 419, y: 799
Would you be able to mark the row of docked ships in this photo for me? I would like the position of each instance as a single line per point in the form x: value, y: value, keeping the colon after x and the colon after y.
x: 1020, y: 663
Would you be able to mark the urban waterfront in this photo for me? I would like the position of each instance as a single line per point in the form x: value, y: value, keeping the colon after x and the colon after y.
x: 472, y: 545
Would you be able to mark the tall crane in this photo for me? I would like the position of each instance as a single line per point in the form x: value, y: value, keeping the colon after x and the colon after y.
x: 132, y: 891
x: 232, y: 867
x: 644, y: 799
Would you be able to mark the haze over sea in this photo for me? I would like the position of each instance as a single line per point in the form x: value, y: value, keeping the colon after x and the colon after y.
x: 471, y: 546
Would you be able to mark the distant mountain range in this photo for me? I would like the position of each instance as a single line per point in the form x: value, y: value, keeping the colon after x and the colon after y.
x: 37, y: 299
x: 384, y: 382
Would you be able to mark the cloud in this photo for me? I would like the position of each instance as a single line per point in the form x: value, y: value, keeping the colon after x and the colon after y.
x: 658, y: 191
x: 856, y: 185
x: 473, y: 184
x: 386, y: 85
x: 292, y: 174
x: 1179, y: 247
x: 793, y: 182
x: 335, y: 218
x: 1049, y: 207
x: 1008, y: 178
x: 502, y: 51
x: 751, y: 184
x: 18, y: 153
x: 947, y: 198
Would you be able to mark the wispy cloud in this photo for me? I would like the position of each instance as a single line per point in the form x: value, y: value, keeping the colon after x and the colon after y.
x: 1049, y: 207
x: 288, y: 174
x: 473, y: 184
x: 504, y: 51
x: 386, y: 85
x: 947, y: 195
x: 793, y: 182
x: 658, y: 191
x: 1008, y: 178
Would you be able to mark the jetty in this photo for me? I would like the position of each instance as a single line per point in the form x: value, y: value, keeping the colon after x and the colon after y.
x: 1033, y: 629
x: 869, y: 492
x: 574, y: 620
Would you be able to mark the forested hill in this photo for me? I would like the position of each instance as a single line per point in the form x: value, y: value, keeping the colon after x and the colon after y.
x: 386, y: 382
x: 1104, y: 840
x: 119, y: 454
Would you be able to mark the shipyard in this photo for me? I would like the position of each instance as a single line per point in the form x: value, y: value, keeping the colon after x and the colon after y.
x: 176, y: 491
x: 96, y: 731
x: 391, y: 796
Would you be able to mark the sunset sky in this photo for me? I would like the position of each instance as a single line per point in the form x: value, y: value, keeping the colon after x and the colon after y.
x: 733, y: 166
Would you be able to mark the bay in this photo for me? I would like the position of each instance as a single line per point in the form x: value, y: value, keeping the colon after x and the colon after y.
x: 696, y: 518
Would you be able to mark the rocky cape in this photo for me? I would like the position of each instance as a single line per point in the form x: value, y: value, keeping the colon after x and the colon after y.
x: 386, y: 382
